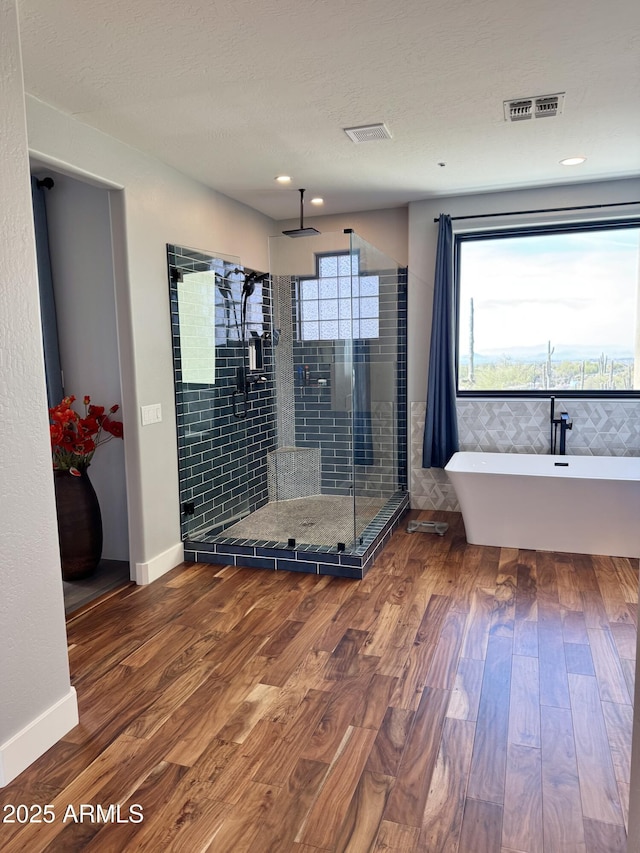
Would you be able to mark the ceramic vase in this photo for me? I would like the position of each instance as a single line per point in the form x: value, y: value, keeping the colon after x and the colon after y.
x: 79, y: 524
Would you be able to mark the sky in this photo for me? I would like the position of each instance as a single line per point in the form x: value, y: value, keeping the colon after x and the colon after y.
x: 571, y: 289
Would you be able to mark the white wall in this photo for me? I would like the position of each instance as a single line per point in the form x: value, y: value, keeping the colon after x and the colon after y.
x: 157, y: 206
x: 384, y: 229
x: 37, y: 703
x: 79, y: 229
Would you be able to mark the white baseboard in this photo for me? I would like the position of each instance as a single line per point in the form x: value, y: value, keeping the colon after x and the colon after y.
x: 21, y: 750
x: 160, y: 565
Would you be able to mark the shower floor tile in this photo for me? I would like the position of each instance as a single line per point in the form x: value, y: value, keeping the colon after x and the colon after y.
x: 317, y: 520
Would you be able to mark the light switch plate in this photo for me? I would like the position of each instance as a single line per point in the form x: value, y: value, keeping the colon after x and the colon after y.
x: 151, y: 414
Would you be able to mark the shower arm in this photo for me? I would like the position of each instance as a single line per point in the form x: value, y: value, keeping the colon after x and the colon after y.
x: 302, y: 192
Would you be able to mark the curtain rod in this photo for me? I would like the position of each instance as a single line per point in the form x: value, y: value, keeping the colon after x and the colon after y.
x: 542, y: 210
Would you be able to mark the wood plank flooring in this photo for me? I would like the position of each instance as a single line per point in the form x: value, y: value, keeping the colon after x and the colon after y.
x: 459, y: 698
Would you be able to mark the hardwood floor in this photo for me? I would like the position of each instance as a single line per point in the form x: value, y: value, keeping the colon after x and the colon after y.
x: 459, y: 698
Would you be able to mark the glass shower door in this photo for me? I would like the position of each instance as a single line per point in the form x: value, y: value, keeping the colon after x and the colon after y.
x: 376, y: 340
x: 205, y: 295
x: 312, y: 464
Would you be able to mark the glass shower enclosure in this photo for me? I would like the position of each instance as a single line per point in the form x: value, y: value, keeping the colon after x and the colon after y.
x: 290, y: 397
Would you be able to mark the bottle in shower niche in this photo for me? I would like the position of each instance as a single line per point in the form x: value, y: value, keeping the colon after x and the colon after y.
x: 300, y: 374
x: 307, y: 375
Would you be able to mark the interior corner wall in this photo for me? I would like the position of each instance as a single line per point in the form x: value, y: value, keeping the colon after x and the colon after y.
x: 154, y: 205
x: 37, y: 702
x: 79, y: 226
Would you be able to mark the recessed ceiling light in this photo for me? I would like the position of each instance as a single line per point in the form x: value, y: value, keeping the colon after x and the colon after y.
x: 283, y: 179
x: 572, y: 161
x: 317, y: 201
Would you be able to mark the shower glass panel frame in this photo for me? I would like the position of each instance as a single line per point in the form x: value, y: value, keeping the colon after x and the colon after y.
x: 314, y: 381
x: 379, y: 342
x: 305, y: 468
x: 218, y: 453
x: 349, y: 329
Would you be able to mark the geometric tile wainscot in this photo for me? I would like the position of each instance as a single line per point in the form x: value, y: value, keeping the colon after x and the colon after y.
x: 600, y: 428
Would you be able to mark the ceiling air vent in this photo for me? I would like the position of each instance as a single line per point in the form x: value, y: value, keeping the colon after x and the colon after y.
x: 541, y: 106
x: 367, y: 132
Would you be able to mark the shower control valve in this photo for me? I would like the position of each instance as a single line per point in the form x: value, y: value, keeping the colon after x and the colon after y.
x: 256, y: 379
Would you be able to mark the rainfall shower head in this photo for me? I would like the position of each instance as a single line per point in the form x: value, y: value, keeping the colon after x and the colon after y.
x: 301, y: 231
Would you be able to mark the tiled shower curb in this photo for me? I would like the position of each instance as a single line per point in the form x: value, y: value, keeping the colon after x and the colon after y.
x: 309, y: 559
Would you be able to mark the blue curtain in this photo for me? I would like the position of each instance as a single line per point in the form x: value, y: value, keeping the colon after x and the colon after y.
x: 53, y: 370
x: 362, y: 428
x: 441, y: 424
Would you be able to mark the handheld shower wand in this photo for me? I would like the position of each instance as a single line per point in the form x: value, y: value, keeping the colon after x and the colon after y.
x: 243, y: 379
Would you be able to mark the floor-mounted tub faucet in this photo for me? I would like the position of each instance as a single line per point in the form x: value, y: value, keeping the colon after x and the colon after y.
x: 565, y: 423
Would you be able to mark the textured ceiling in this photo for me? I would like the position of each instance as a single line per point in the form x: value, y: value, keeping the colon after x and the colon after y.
x: 235, y: 93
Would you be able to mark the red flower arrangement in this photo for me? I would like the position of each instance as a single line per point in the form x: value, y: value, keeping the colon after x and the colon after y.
x: 74, y: 439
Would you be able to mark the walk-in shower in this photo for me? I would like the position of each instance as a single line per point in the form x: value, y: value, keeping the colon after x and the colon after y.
x: 291, y: 404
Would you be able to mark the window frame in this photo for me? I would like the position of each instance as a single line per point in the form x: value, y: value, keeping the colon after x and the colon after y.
x: 523, y: 231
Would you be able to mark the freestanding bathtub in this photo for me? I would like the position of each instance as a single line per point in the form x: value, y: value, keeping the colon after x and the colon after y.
x: 579, y: 504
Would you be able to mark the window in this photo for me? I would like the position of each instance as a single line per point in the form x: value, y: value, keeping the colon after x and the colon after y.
x: 339, y: 303
x: 549, y: 310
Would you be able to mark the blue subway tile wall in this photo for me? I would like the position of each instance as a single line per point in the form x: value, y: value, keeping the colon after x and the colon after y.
x: 223, y: 468
x: 321, y: 422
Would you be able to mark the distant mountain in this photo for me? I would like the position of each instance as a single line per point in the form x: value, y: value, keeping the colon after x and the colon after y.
x: 538, y: 353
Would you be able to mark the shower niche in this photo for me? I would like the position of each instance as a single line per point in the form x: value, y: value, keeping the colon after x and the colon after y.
x: 291, y: 404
